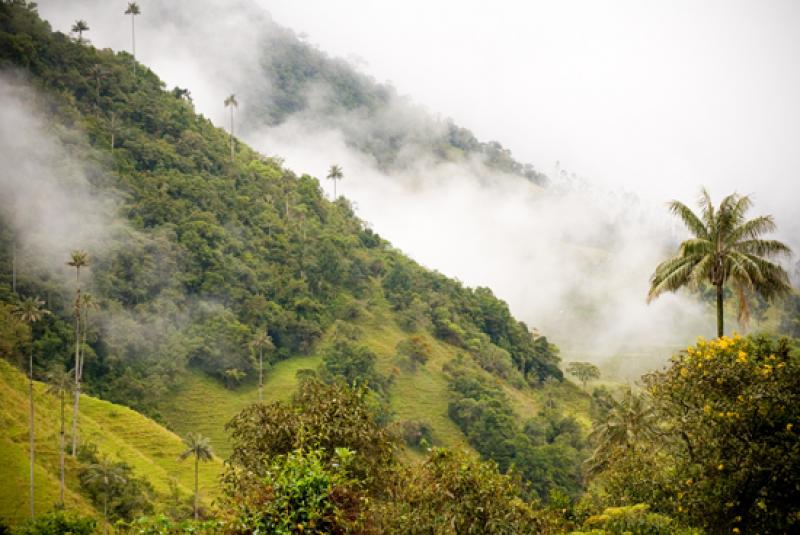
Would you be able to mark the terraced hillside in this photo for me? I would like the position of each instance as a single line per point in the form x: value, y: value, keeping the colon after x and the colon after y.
x: 117, y: 431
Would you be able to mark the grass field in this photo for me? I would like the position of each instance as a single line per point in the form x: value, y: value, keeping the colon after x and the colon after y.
x: 118, y: 432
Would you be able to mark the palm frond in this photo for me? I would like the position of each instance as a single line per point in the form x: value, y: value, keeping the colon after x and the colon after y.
x: 689, y: 218
x: 768, y: 248
x: 751, y: 230
x: 671, y: 275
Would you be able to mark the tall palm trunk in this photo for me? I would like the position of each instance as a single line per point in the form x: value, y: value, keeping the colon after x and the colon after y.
x: 720, y: 313
x: 77, y: 396
x: 61, y: 448
x: 196, y: 487
x: 31, y: 428
x: 77, y: 366
x: 133, y: 43
x: 231, y: 132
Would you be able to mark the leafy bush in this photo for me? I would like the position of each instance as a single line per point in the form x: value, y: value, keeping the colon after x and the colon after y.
x: 126, y: 495
x: 163, y: 525
x: 728, y: 451
x: 636, y: 519
x: 300, y: 493
x: 415, y: 434
x: 413, y: 351
x: 322, y: 417
x: 57, y: 523
x: 452, y: 492
x: 547, y: 458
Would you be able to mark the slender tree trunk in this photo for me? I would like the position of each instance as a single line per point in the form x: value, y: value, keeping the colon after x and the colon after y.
x: 334, y: 190
x: 61, y: 449
x: 75, y: 419
x: 260, y: 374
x: 77, y: 369
x: 720, y: 312
x: 231, y: 132
x: 196, y: 487
x: 31, y: 428
x: 133, y: 43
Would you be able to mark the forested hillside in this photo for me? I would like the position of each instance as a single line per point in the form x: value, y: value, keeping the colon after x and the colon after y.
x: 153, y: 265
x: 208, y: 251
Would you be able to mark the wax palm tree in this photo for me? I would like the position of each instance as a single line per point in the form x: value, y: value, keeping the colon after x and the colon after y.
x: 133, y: 10
x: 629, y: 421
x: 60, y: 383
x: 197, y: 446
x: 231, y: 103
x: 79, y: 27
x: 335, y: 174
x: 88, y: 303
x: 106, y: 473
x: 78, y: 259
x: 726, y: 248
x: 260, y: 342
x: 30, y: 310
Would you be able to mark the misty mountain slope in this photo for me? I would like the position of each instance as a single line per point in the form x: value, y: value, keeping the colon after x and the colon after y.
x: 194, y: 253
x: 301, y: 83
x: 117, y: 431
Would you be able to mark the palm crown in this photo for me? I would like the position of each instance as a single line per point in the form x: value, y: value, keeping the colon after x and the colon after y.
x: 726, y: 248
x: 30, y: 310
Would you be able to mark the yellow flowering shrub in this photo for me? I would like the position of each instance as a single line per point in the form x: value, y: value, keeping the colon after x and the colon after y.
x: 728, y: 408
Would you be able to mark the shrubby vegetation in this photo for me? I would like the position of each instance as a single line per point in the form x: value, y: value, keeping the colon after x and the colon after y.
x: 721, y: 448
x: 56, y: 523
x: 547, y: 451
x: 113, y: 487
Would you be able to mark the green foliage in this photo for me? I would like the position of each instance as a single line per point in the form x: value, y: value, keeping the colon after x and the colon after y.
x: 728, y: 450
x: 634, y: 519
x: 115, y: 485
x: 725, y: 249
x: 57, y: 523
x: 546, y: 456
x: 415, y: 434
x: 583, y: 371
x: 452, y: 492
x: 413, y: 351
x: 355, y: 364
x: 321, y: 417
x: 301, y: 492
x: 163, y: 525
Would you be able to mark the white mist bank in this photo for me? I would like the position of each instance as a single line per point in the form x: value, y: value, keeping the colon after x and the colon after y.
x: 47, y: 194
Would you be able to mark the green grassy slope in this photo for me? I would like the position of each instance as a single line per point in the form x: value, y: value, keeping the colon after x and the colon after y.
x: 118, y: 432
x: 203, y: 404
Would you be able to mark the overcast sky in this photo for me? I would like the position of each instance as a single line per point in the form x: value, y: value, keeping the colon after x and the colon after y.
x: 658, y: 97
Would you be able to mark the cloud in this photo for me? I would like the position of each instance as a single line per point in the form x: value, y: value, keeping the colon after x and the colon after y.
x: 48, y: 193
